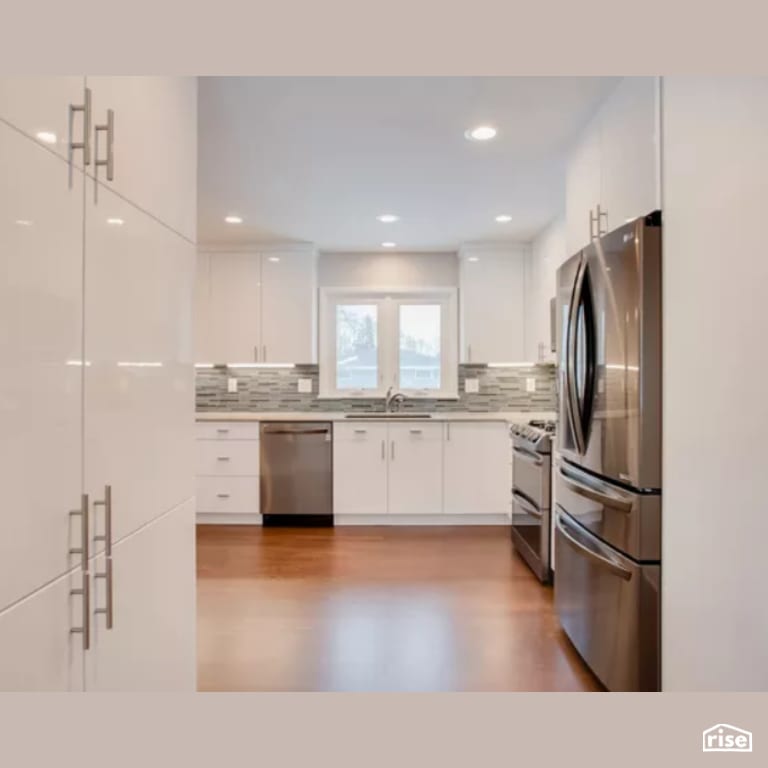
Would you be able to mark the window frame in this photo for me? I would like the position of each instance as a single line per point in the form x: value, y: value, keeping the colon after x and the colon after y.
x: 388, y: 302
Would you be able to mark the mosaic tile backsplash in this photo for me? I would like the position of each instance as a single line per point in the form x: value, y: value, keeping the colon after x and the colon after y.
x: 276, y: 389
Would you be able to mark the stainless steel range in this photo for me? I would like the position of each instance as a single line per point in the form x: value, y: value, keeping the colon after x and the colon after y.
x: 531, y: 496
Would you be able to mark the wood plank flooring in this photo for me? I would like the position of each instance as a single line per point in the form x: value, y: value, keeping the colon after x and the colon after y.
x: 376, y: 609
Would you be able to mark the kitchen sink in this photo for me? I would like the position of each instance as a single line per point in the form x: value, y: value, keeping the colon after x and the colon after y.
x: 380, y: 415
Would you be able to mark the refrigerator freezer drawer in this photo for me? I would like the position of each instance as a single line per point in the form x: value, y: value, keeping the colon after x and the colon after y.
x: 608, y: 606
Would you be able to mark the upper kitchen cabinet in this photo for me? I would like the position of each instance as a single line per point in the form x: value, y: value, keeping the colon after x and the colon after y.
x: 40, y: 108
x: 257, y: 307
x: 491, y: 303
x: 613, y: 170
x: 151, y: 142
x: 288, y: 309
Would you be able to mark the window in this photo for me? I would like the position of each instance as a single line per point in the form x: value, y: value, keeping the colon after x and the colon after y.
x: 371, y: 340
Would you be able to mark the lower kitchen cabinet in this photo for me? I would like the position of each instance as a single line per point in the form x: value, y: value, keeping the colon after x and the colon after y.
x: 360, y: 468
x: 415, y: 469
x: 38, y: 650
x: 151, y: 645
x: 476, y: 468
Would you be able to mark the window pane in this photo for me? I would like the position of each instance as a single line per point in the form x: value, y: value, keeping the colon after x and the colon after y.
x: 420, y: 346
x: 357, y: 353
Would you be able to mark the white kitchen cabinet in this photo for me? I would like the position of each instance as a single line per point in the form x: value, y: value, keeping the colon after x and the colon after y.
x: 360, y: 472
x: 41, y: 270
x: 259, y: 307
x: 491, y: 303
x: 39, y: 106
x: 615, y: 163
x: 227, y: 458
x: 288, y: 292
x: 151, y: 645
x: 477, y: 479
x: 415, y: 469
x: 139, y: 380
x: 38, y: 650
x: 155, y: 144
x: 202, y: 309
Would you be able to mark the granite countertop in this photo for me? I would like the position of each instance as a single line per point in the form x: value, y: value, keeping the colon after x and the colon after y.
x: 506, y: 416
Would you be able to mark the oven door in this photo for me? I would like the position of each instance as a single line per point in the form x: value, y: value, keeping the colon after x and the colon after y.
x: 530, y: 534
x: 531, y: 475
x: 608, y: 606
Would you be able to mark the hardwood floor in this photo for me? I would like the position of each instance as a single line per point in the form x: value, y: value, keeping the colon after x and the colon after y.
x: 375, y: 609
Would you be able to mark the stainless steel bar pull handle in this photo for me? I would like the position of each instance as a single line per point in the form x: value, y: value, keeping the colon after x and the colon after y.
x: 106, y: 537
x: 85, y: 144
x: 264, y: 357
x: 109, y: 161
x: 601, y: 215
x: 593, y: 219
x: 108, y: 610
x: 383, y: 450
x: 85, y: 590
x: 392, y: 450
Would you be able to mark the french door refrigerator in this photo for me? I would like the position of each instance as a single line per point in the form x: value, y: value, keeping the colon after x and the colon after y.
x: 608, y: 477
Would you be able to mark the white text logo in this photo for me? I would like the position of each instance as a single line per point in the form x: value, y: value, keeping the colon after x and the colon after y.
x: 727, y: 738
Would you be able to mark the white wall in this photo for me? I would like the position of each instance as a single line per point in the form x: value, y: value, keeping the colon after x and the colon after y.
x: 389, y: 270
x: 715, y: 520
x: 548, y: 252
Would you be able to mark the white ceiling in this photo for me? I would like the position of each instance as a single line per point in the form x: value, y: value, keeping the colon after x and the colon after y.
x: 317, y: 159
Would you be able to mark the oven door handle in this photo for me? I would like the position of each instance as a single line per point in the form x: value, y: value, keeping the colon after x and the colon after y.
x: 594, y: 490
x: 595, y: 557
x: 527, y: 505
x: 528, y: 456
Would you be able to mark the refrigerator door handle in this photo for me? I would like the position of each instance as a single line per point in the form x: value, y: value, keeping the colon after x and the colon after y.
x: 595, y: 490
x: 571, y: 391
x: 586, y: 551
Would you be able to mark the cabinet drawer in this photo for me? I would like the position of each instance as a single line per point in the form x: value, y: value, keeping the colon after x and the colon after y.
x: 227, y: 458
x: 227, y: 430
x: 359, y: 432
x: 234, y: 495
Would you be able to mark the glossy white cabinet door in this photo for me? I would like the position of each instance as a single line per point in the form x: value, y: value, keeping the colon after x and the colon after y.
x: 288, y: 290
x: 360, y: 468
x: 630, y: 151
x: 40, y: 364
x: 38, y: 651
x: 39, y: 107
x: 583, y: 186
x: 235, y: 325
x: 202, y: 309
x: 155, y: 144
x: 477, y: 478
x: 151, y: 646
x: 492, y: 305
x: 415, y: 469
x: 139, y: 381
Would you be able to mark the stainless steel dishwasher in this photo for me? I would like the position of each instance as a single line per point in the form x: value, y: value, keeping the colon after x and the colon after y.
x: 296, y: 473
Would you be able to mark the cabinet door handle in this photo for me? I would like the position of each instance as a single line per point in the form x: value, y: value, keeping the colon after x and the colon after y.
x: 383, y: 450
x: 109, y: 161
x: 256, y: 354
x: 361, y: 431
x: 222, y: 495
x: 108, y: 610
x: 85, y: 144
x: 600, y: 215
x: 469, y: 353
x: 222, y: 458
x: 82, y: 550
x: 415, y: 431
x: 85, y: 589
x: 106, y: 502
x: 265, y: 353
x: 223, y: 431
x: 448, y: 432
x: 592, y: 220
x: 392, y: 450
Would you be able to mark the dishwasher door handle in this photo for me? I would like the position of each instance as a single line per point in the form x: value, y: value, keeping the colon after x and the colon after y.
x: 283, y: 431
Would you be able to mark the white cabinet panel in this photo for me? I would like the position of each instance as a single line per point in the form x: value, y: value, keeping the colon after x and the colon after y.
x: 151, y: 646
x: 288, y: 292
x: 630, y: 152
x: 235, y: 311
x: 477, y: 477
x: 227, y: 458
x: 228, y: 495
x: 203, y: 350
x: 139, y: 382
x: 227, y: 430
x: 415, y: 469
x: 582, y: 186
x: 492, y: 305
x: 360, y: 469
x: 38, y: 651
x: 155, y: 144
x: 40, y: 106
x: 41, y: 249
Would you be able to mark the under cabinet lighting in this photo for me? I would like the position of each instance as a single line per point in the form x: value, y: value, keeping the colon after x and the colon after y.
x: 473, y: 258
x: 203, y: 365
x: 274, y: 259
x: 512, y: 365
x: 260, y: 365
x: 140, y: 364
x: 79, y: 363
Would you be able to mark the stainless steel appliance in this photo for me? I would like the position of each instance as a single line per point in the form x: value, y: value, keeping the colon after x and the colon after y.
x: 296, y: 472
x: 608, y: 477
x: 531, y: 473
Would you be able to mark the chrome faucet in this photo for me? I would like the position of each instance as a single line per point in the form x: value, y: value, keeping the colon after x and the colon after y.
x: 393, y: 397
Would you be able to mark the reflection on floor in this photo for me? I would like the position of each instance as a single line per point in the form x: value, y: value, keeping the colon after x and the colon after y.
x: 375, y: 609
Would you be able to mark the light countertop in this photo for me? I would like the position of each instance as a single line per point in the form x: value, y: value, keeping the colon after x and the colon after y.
x: 506, y: 416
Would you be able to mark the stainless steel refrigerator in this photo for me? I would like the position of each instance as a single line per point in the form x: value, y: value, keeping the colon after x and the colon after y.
x: 608, y: 477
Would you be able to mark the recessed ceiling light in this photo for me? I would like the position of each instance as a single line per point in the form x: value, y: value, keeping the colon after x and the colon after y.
x: 388, y: 245
x: 47, y: 137
x: 473, y: 258
x: 233, y: 219
x: 504, y: 218
x: 274, y: 258
x: 388, y: 218
x: 24, y: 222
x: 115, y: 222
x: 480, y: 133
